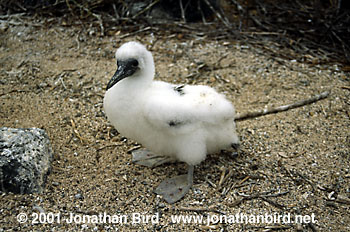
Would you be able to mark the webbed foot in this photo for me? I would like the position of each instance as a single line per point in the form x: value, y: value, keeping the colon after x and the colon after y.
x: 174, y: 189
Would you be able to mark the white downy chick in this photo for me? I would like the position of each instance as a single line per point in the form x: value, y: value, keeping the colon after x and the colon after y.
x: 185, y: 122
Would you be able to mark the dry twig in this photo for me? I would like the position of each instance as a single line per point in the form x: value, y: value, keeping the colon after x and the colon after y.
x: 13, y: 91
x: 221, y: 17
x: 76, y: 132
x: 146, y: 9
x: 254, y: 114
x: 263, y: 196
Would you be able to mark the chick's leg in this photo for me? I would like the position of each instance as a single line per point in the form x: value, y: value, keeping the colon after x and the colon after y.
x: 146, y: 158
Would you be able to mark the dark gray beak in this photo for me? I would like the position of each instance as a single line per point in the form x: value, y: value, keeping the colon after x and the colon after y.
x: 125, y: 69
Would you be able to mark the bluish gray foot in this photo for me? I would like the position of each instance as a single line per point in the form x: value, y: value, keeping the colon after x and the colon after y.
x: 146, y: 158
x: 174, y: 189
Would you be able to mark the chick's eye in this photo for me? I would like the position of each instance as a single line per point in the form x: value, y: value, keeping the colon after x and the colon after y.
x: 134, y: 63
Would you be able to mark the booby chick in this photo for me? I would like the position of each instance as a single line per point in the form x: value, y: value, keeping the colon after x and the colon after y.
x: 184, y: 122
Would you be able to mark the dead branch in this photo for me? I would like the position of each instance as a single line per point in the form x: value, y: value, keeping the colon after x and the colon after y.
x: 263, y: 196
x: 76, y: 132
x: 255, y: 114
x: 135, y: 32
x: 182, y: 11
x: 146, y: 9
x: 273, y: 203
x: 221, y: 17
x: 13, y: 91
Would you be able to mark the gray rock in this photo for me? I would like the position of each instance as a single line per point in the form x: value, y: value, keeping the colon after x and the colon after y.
x: 25, y: 160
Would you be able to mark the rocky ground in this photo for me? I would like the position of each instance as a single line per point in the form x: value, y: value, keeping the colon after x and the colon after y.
x: 297, y: 162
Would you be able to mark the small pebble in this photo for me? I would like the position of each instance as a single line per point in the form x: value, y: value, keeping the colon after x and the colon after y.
x: 54, y: 183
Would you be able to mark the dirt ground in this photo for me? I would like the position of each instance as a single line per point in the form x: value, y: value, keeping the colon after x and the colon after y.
x: 293, y: 162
